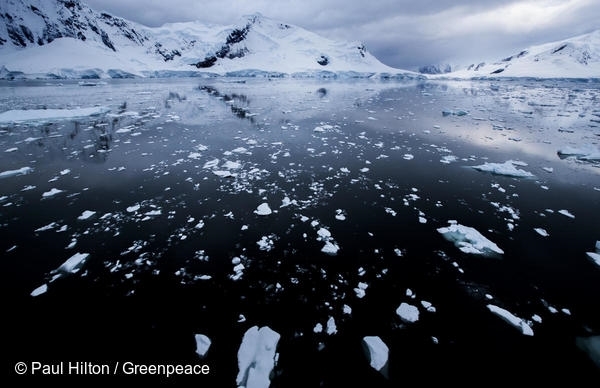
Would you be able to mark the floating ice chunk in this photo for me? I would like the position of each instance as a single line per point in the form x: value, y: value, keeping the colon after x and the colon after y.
x: 194, y: 155
x: 44, y: 228
x: 345, y: 170
x: 318, y: 328
x: 263, y: 209
x: 224, y: 173
x: 331, y: 327
x: 13, y: 149
x: 566, y: 213
x: 512, y: 319
x: 595, y: 257
x: 324, y: 234
x: 408, y: 157
x: 407, y: 312
x: 360, y: 290
x: 202, y: 344
x: 153, y: 213
x: 73, y: 264
x: 377, y: 352
x: 586, y: 153
x: 40, y: 290
x: 19, y: 171
x: 265, y: 243
x: 548, y: 169
x: 211, y: 164
x: 229, y: 165
x: 428, y: 306
x: 330, y: 248
x: 22, y: 115
x: 86, y: 214
x: 286, y: 201
x: 134, y: 208
x: 199, y: 225
x: 53, y: 191
x: 507, y: 168
x: 347, y: 309
x: 542, y: 232
x: 256, y: 357
x: 469, y: 240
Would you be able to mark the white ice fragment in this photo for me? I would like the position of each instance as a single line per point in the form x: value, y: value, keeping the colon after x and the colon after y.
x: 211, y: 163
x: 542, y: 232
x: 40, y: 290
x: 224, y: 173
x: 507, y: 168
x: 345, y: 170
x: 86, y: 214
x: 595, y: 257
x: 229, y: 165
x: 566, y: 213
x: 511, y: 319
x: 408, y: 157
x: 408, y: 313
x: 548, y: 169
x: 377, y: 352
x: 428, y: 306
x: 19, y: 171
x: 469, y: 240
x: 347, y: 309
x: 331, y: 327
x: 53, y: 191
x: 330, y: 248
x: 199, y: 225
x: 422, y: 220
x: 263, y: 209
x: 73, y: 264
x: 536, y: 318
x: 256, y: 357
x: 194, y: 155
x: 360, y: 290
x: 318, y: 328
x: 202, y: 344
x: 265, y: 243
x: 566, y: 311
x: 324, y: 234
x: 134, y: 208
x: 285, y: 201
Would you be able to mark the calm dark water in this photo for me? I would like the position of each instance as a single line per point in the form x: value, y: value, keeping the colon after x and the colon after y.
x: 177, y: 169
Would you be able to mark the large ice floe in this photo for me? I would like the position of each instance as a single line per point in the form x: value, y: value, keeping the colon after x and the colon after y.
x: 507, y: 168
x: 512, y: 319
x: 469, y: 240
x: 23, y: 115
x: 257, y: 357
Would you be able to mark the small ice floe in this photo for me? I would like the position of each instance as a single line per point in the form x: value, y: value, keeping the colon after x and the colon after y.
x: 469, y: 240
x: 339, y: 215
x: 330, y: 248
x: 73, y: 264
x: 331, y: 326
x: 44, y: 228
x: 566, y: 213
x: 377, y: 352
x: 347, y: 309
x: 360, y: 290
x: 202, y: 344
x: 238, y: 268
x: 13, y: 149
x: 408, y: 157
x: 265, y: 243
x: 211, y: 163
x: 318, y: 328
x: 542, y: 232
x: 428, y: 306
x: 224, y: 173
x: 40, y: 290
x: 447, y: 159
x: 86, y: 214
x: 257, y: 357
x: 19, y: 171
x: 511, y: 319
x: 133, y: 209
x: 407, y: 312
x: 263, y: 209
x: 507, y: 168
x: 548, y: 169
x: 53, y: 191
x: 595, y: 256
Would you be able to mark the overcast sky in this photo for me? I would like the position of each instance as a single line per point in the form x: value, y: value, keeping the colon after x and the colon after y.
x: 401, y: 33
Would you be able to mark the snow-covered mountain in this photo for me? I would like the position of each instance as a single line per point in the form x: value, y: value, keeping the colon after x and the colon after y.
x: 67, y: 39
x: 577, y: 57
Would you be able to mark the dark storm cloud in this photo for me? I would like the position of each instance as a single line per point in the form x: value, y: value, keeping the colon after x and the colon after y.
x: 401, y: 33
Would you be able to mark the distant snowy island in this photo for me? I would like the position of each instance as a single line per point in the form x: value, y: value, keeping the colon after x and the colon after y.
x: 63, y: 39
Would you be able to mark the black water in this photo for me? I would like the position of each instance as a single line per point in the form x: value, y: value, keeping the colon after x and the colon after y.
x: 153, y: 279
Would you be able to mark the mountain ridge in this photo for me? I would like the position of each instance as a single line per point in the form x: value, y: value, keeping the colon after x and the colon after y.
x: 67, y: 39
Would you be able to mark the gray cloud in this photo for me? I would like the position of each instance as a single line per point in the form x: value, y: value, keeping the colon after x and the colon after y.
x: 401, y: 33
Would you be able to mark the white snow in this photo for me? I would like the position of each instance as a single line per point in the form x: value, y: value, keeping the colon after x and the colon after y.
x: 86, y: 214
x: 512, y: 319
x: 407, y: 312
x: 19, y: 171
x: 378, y: 352
x: 202, y: 344
x: 469, y: 240
x: 256, y: 357
x: 263, y: 209
x: 507, y: 168
x: 22, y: 115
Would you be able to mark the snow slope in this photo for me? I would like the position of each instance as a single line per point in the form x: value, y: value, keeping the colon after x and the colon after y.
x: 67, y: 39
x: 577, y: 57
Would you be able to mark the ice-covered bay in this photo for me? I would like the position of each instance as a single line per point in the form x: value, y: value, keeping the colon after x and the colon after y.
x: 216, y: 205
